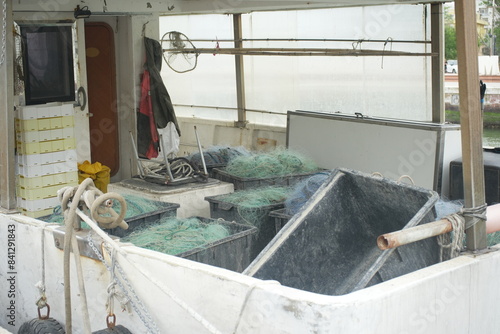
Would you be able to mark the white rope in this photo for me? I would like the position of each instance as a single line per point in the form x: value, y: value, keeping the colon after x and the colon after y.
x: 67, y: 195
x: 110, y: 305
x: 42, y: 301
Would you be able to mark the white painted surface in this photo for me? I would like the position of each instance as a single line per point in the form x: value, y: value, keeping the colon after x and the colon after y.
x: 390, y: 147
x: 457, y: 296
x: 191, y: 199
x: 219, y: 133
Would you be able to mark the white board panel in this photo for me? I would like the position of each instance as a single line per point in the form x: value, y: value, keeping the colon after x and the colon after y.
x: 391, y: 147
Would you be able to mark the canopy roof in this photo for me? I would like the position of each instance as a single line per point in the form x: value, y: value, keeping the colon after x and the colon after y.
x: 201, y: 6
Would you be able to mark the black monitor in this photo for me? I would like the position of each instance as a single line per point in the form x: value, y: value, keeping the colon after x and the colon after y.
x: 48, y: 63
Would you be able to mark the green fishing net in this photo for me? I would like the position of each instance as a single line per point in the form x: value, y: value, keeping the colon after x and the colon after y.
x: 493, y: 238
x: 174, y: 236
x: 254, y: 205
x: 280, y: 162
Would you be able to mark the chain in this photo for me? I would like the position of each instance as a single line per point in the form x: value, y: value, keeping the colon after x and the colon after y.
x: 149, y: 322
x: 4, y: 33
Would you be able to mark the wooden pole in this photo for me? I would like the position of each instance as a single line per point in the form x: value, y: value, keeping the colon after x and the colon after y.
x: 470, y: 117
x: 7, y: 136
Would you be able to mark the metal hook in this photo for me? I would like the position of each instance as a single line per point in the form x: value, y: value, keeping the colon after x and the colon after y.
x: 111, y: 324
x: 45, y: 317
x: 356, y: 44
x: 144, y: 29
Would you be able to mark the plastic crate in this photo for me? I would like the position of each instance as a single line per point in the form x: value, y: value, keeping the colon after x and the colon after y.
x: 280, y: 218
x: 143, y: 220
x: 329, y: 246
x: 232, y: 252
x: 232, y: 212
x: 243, y: 183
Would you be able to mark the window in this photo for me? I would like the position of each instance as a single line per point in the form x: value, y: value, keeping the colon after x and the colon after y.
x: 48, y: 63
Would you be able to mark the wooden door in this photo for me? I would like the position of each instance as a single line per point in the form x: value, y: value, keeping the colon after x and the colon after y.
x: 101, y: 81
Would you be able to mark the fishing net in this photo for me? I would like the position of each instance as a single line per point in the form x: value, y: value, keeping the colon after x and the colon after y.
x: 174, y: 236
x: 136, y: 206
x: 218, y: 156
x: 302, y: 191
x: 254, y: 205
x: 280, y: 162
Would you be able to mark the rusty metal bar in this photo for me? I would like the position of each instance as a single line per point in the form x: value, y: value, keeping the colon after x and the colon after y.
x: 412, y: 234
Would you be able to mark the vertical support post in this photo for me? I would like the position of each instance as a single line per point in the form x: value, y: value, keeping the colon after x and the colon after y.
x: 240, y: 77
x: 7, y: 135
x: 470, y: 117
x: 437, y: 47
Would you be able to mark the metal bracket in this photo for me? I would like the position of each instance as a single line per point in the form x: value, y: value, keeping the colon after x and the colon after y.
x: 240, y: 124
x: 82, y: 239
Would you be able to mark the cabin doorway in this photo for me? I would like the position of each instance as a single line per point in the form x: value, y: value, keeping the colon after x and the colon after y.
x: 102, y: 103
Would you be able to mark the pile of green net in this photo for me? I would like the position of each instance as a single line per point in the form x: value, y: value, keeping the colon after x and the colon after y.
x: 174, y: 236
x: 136, y: 205
x: 280, y: 162
x: 253, y: 204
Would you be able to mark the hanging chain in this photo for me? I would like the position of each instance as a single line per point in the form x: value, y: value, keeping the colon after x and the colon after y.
x: 4, y: 32
x: 144, y: 315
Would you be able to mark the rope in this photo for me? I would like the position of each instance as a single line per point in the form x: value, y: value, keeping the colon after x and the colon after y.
x: 110, y: 303
x: 42, y: 301
x: 460, y: 224
x: 455, y: 245
x: 71, y: 244
x: 477, y: 214
x: 198, y: 317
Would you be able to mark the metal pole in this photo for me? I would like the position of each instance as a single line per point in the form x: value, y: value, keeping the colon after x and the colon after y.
x: 413, y: 234
x: 437, y: 47
x: 201, y: 152
x: 470, y: 118
x: 240, y: 77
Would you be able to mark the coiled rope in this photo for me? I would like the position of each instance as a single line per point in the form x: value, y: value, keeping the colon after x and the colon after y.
x: 71, y: 198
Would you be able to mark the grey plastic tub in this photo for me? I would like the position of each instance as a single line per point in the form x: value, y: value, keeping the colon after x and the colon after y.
x: 329, y: 246
x: 280, y: 218
x: 244, y: 183
x: 232, y: 252
x: 219, y: 208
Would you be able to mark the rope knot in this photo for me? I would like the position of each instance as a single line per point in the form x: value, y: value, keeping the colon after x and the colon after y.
x: 476, y: 214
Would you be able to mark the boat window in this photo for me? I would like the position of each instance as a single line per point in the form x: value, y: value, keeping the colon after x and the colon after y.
x: 47, y: 56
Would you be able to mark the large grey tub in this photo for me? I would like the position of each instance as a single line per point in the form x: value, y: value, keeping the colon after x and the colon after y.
x: 329, y: 246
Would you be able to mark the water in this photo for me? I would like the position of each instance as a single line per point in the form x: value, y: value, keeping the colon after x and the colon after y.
x: 491, y: 137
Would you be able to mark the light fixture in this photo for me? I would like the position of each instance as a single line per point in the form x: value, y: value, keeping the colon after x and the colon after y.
x: 82, y: 13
